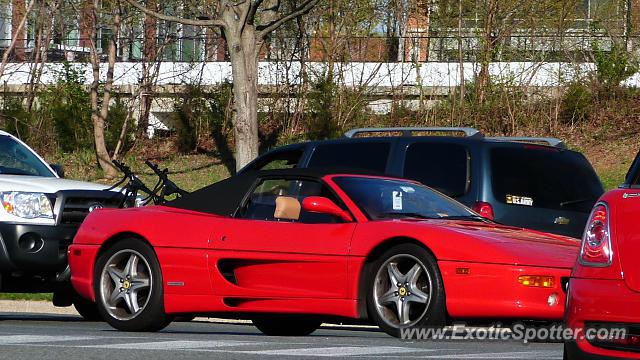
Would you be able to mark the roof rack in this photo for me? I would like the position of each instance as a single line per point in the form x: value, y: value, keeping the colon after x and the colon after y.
x: 408, y: 131
x: 534, y: 140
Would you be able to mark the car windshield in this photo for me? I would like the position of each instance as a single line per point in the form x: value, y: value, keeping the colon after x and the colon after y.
x: 386, y: 198
x: 16, y: 159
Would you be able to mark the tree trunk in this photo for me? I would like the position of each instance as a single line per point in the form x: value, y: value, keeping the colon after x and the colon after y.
x: 488, y: 44
x: 460, y: 59
x: 18, y: 13
x: 150, y: 54
x: 243, y: 53
x: 99, y: 115
x: 150, y: 29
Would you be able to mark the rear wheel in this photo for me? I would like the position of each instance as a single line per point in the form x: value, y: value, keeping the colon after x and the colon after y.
x: 286, y: 325
x: 405, y: 290
x: 128, y: 287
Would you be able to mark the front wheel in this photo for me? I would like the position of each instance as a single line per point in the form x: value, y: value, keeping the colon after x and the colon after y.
x: 128, y: 287
x: 405, y: 290
x: 286, y: 325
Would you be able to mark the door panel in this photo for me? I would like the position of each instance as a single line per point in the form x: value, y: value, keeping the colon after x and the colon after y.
x: 256, y: 258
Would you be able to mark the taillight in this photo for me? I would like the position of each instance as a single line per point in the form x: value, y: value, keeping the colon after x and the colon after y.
x: 484, y: 209
x: 596, y: 241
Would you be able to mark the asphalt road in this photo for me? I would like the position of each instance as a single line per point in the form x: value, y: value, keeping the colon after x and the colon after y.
x: 37, y: 336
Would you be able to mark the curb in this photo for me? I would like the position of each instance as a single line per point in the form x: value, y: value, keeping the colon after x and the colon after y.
x: 32, y: 306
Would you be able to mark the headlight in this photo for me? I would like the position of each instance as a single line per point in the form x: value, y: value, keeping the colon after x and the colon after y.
x: 27, y: 205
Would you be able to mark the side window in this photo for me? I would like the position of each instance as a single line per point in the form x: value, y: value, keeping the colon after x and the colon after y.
x: 279, y: 160
x: 444, y: 167
x: 360, y: 155
x: 281, y: 200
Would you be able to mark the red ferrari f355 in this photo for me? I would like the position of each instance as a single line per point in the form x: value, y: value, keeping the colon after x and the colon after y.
x: 292, y: 248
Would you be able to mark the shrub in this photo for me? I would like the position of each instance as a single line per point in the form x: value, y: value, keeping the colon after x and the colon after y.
x: 201, y: 113
x: 577, y: 103
x: 15, y: 118
x: 118, y: 113
x: 613, y: 67
x: 186, y: 113
x: 66, y: 105
x: 333, y: 108
x: 321, y: 101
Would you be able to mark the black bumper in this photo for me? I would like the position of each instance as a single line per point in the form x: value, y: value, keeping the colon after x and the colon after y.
x: 34, y: 249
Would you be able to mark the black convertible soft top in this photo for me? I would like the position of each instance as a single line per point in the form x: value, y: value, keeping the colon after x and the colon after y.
x: 225, y: 196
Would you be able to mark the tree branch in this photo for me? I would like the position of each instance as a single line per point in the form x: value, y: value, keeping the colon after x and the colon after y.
x: 252, y: 11
x: 160, y: 16
x: 304, y: 8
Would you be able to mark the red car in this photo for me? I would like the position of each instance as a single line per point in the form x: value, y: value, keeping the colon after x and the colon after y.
x: 291, y: 248
x: 604, y: 289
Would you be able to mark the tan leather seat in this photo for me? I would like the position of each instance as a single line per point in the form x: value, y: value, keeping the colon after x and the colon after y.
x: 287, y: 208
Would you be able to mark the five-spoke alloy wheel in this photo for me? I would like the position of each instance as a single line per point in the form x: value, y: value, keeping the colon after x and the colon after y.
x: 405, y: 290
x: 128, y: 286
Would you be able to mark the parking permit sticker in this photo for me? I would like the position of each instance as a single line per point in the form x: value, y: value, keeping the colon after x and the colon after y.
x: 519, y: 200
x: 397, y: 200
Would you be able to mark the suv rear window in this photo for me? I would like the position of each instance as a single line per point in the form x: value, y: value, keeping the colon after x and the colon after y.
x: 444, y: 167
x: 361, y: 155
x: 544, y: 178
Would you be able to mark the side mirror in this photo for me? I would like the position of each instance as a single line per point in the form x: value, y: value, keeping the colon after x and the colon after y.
x: 322, y: 205
x: 58, y: 169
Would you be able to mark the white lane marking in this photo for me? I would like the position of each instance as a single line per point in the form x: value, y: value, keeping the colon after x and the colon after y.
x: 503, y: 355
x: 338, y: 351
x: 28, y: 339
x: 173, y: 345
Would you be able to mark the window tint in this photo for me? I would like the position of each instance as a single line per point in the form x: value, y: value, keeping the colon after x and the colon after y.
x: 361, y: 155
x: 279, y: 160
x: 444, y: 167
x: 544, y: 178
x: 261, y: 204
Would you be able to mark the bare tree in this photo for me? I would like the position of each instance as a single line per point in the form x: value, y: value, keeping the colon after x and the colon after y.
x: 246, y: 24
x: 150, y: 54
x: 44, y: 29
x: 100, y: 109
x: 498, y: 20
x: 17, y: 34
